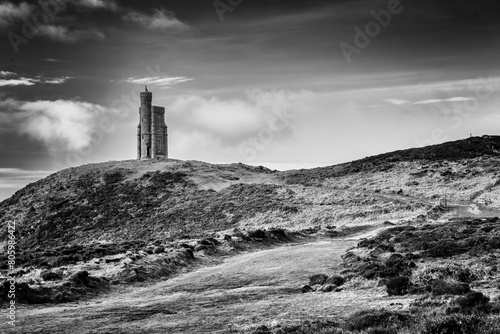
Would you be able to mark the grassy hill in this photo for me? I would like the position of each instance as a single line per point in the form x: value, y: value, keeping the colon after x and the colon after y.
x: 160, y: 201
x: 105, y: 228
x: 460, y: 150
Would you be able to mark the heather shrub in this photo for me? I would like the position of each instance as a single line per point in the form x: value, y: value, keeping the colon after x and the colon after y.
x: 451, y: 271
x: 335, y: 280
x: 473, y: 301
x: 491, y: 325
x: 312, y: 327
x: 398, y: 286
x: 451, y: 324
x: 376, y: 320
x: 318, y: 279
x: 440, y: 287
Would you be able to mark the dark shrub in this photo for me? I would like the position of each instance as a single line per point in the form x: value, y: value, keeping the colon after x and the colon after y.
x: 205, y: 242
x: 364, y: 320
x: 394, y: 259
x: 214, y: 241
x: 440, y: 287
x: 257, y: 234
x: 472, y: 301
x: 398, y: 286
x: 312, y: 327
x: 335, y: 280
x: 80, y: 277
x: 306, y: 289
x: 455, y: 324
x: 445, y: 248
x: 383, y: 248
x: 24, y: 293
x: 189, y: 253
x: 113, y: 177
x: 290, y: 208
x: 318, y: 279
x: 370, y: 270
x: 159, y: 249
x: 328, y: 288
x: 262, y: 330
x: 50, y: 276
x: 278, y: 233
x: 491, y: 325
x: 397, y: 265
x: 367, y: 243
x: 382, y: 330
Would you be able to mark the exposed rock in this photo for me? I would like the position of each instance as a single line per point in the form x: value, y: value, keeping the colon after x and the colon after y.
x: 306, y: 288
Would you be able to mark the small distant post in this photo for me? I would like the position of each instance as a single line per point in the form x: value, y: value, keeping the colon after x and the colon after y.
x: 443, y: 202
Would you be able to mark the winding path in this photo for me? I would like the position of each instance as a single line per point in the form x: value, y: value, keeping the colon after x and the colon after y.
x: 262, y: 287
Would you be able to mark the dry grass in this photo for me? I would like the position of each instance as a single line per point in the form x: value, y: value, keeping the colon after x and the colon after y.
x: 241, y: 293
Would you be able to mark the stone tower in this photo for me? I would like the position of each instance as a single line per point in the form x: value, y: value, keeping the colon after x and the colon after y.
x: 152, y: 131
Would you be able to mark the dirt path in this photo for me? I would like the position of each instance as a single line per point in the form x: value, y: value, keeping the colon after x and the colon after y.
x: 249, y: 289
x: 459, y: 208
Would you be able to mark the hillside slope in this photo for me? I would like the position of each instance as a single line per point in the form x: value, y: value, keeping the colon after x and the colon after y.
x: 160, y: 201
x: 211, y: 234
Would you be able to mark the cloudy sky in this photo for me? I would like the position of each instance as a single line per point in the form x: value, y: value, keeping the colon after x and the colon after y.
x: 287, y: 84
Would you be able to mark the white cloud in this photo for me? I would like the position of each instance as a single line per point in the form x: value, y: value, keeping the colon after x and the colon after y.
x: 60, y: 122
x: 17, y: 82
x: 10, y: 12
x: 158, y: 81
x: 60, y: 125
x: 397, y: 102
x: 230, y: 120
x: 6, y: 74
x: 23, y: 81
x: 459, y: 99
x: 66, y: 35
x: 218, y: 129
x: 161, y: 20
x: 97, y: 4
x: 7, y: 107
x: 453, y: 99
x: 56, y: 81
